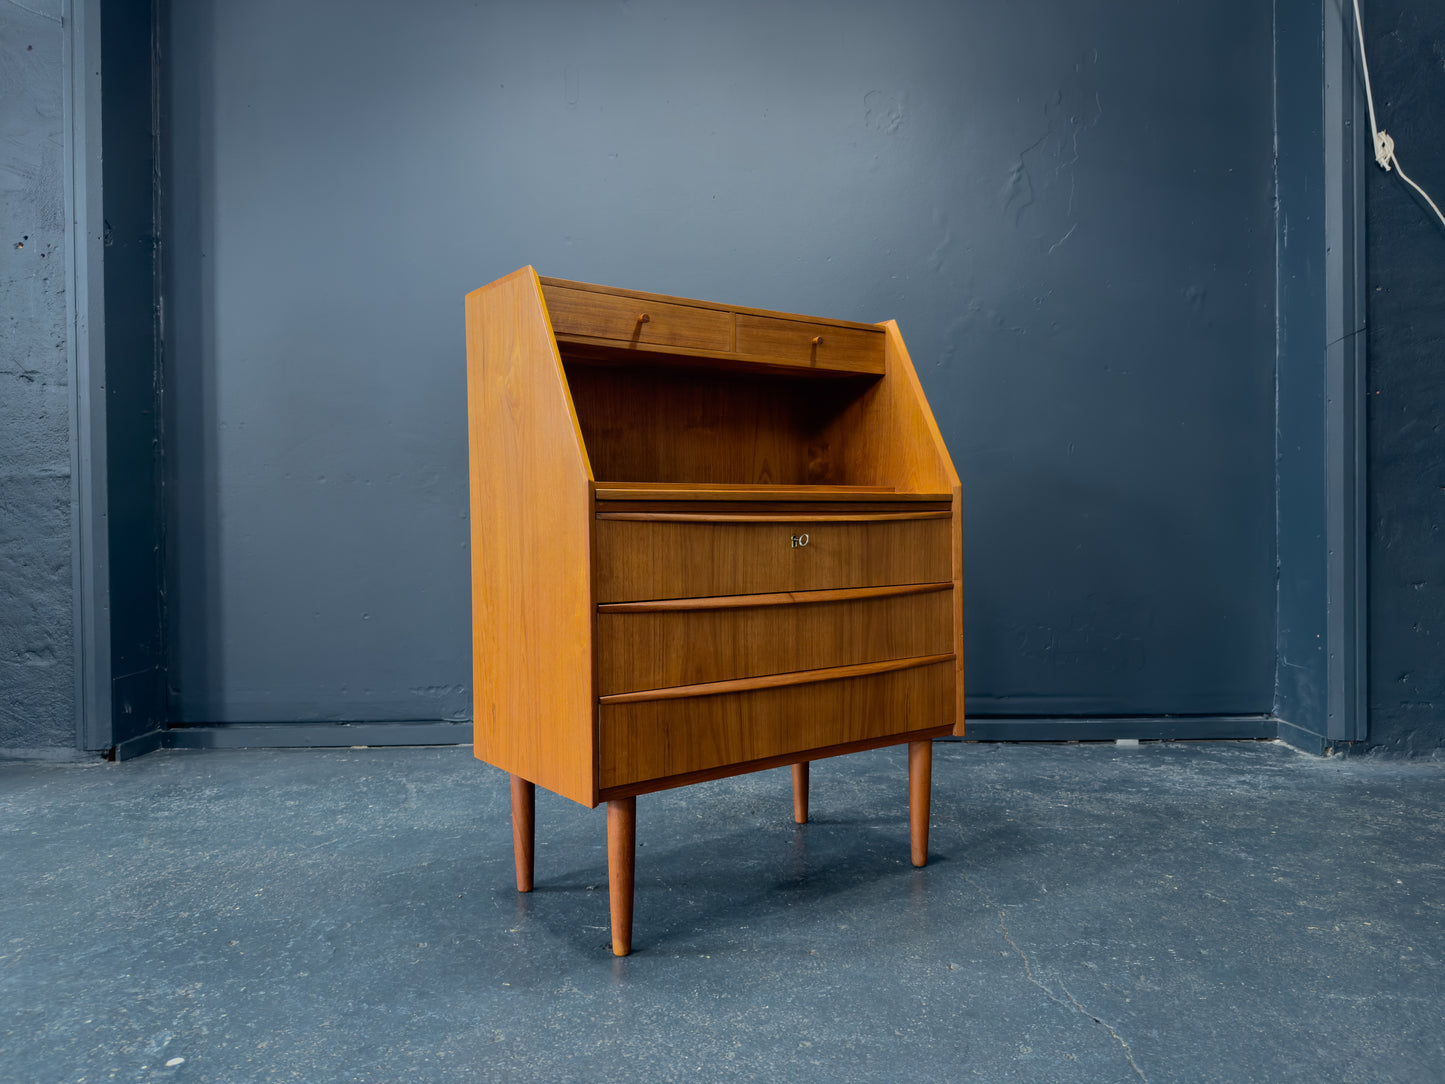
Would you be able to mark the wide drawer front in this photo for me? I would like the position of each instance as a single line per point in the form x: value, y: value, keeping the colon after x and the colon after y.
x: 637, y: 321
x: 655, y: 739
x: 645, y: 556
x: 662, y: 645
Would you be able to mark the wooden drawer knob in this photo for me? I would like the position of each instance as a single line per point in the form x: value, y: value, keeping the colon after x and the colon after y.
x: 643, y: 318
x: 817, y: 340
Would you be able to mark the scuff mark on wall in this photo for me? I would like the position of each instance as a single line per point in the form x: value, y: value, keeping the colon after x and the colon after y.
x: 1041, y: 179
x: 885, y: 110
x: 571, y: 86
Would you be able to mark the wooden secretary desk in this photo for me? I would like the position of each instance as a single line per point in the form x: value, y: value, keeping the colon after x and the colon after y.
x: 706, y: 540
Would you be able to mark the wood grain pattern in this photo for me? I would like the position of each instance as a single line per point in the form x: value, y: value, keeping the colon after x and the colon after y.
x: 621, y: 869
x: 691, y: 426
x: 770, y: 681
x: 762, y: 764
x: 682, y: 560
x: 594, y: 350
x: 658, y: 649
x: 888, y: 436
x: 811, y: 342
x: 591, y: 287
x: 770, y: 572
x: 524, y: 830
x: 912, y: 410
x: 777, y: 506
x: 638, y: 321
x: 920, y: 791
x: 531, y: 515
x: 661, y: 738
x: 790, y: 516
x: 784, y: 598
x: 693, y: 491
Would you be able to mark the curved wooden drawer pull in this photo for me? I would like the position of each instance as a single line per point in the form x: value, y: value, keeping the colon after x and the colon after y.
x: 801, y: 516
x: 773, y: 681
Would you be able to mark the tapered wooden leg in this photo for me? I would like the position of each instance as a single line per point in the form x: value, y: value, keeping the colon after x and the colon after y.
x: 621, y: 863
x: 524, y: 829
x: 920, y: 787
x: 800, y: 792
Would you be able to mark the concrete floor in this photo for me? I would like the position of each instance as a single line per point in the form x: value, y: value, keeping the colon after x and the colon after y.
x: 1092, y: 913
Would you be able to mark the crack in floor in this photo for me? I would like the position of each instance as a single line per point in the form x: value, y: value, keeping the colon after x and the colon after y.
x: 1123, y: 1044
x: 1068, y: 1001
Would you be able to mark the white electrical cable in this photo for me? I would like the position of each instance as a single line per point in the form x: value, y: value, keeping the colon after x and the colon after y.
x: 1384, y: 145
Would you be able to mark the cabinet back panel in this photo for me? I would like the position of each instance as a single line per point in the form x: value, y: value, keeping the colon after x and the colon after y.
x: 652, y: 424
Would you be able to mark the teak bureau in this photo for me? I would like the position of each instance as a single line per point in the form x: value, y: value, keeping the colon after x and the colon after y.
x: 706, y: 540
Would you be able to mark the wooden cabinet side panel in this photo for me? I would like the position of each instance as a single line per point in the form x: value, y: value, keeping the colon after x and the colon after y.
x: 531, y: 546
x: 890, y: 437
x: 957, y: 604
x: 902, y: 374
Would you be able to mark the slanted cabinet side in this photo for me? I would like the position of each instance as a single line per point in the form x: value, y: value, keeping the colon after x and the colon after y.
x: 889, y: 437
x: 531, y: 509
x: 931, y: 465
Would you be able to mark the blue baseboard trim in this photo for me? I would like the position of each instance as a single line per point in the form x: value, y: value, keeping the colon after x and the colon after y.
x: 1308, y: 741
x: 1146, y: 728
x: 978, y: 728
x: 298, y: 736
x: 139, y: 746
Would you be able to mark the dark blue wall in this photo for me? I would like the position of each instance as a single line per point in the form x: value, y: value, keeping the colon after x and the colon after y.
x: 37, y: 650
x: 1406, y: 269
x: 1302, y: 678
x: 133, y: 381
x: 1068, y: 207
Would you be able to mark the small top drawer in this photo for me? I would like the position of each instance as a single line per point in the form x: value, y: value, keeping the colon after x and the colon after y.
x: 824, y: 345
x: 684, y: 555
x: 637, y: 321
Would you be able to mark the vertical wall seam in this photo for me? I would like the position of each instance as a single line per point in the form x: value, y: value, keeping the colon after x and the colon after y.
x: 85, y: 362
x: 78, y: 570
x: 158, y: 375
x: 1278, y: 346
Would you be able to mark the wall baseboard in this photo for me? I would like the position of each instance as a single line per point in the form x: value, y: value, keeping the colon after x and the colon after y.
x: 1148, y: 728
x: 296, y: 736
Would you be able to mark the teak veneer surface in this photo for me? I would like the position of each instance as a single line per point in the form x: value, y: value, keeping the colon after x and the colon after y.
x: 855, y: 497
x: 592, y: 316
x: 638, y: 321
x: 768, y: 571
x: 696, y: 426
x: 679, y: 559
x: 653, y: 739
x: 531, y: 515
x: 663, y: 648
x: 548, y: 283
x: 781, y: 760
x: 773, y: 598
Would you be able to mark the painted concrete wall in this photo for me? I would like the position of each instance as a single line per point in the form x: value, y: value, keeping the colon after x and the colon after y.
x: 1406, y: 271
x: 37, y: 656
x: 1406, y: 253
x: 1302, y: 678
x: 1067, y: 206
